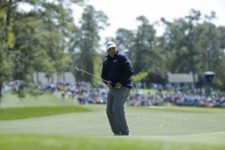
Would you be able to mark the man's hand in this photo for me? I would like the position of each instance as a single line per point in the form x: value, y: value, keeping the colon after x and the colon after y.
x: 109, y: 83
x: 118, y: 85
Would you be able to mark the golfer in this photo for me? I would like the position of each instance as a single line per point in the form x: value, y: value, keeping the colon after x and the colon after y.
x: 117, y: 71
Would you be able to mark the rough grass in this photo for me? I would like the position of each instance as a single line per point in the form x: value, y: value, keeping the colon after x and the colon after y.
x: 32, y: 112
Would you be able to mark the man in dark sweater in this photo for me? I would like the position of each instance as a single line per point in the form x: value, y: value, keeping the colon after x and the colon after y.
x: 117, y: 71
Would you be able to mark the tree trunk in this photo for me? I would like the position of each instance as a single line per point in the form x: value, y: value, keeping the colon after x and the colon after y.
x: 1, y: 86
x: 8, y: 18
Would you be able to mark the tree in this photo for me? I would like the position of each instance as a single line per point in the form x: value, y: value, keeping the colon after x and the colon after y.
x: 35, y: 40
x: 125, y: 40
x: 6, y: 41
x: 92, y: 22
x: 142, y: 47
x: 193, y: 44
x: 180, y: 38
x: 220, y: 63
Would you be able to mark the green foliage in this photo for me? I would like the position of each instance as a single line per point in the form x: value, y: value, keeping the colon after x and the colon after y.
x: 139, y: 77
x: 192, y: 44
x: 36, y: 40
x: 21, y: 93
x: 63, y: 63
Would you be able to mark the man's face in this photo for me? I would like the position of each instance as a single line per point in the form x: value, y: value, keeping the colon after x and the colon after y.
x: 112, y: 51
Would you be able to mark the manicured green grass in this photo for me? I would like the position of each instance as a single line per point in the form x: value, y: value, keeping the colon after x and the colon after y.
x: 51, y: 124
x: 50, y: 142
x: 31, y: 112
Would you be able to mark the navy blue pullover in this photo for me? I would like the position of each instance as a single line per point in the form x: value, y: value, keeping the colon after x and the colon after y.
x: 117, y: 69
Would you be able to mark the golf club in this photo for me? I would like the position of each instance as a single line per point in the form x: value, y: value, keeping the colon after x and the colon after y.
x: 78, y: 69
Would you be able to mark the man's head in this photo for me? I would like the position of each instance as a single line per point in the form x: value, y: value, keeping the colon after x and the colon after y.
x: 111, y: 49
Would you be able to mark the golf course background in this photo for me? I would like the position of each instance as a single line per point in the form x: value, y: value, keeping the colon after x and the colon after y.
x: 48, y: 122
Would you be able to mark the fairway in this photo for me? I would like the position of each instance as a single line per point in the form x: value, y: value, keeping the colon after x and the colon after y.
x: 163, y: 128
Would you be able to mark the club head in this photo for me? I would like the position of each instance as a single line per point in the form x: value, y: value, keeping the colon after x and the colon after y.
x: 77, y: 69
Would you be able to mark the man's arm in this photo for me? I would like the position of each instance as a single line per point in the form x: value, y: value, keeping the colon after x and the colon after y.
x: 104, y: 76
x: 127, y: 68
x: 104, y: 72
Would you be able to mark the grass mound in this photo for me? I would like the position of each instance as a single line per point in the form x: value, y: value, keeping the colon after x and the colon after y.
x: 31, y: 112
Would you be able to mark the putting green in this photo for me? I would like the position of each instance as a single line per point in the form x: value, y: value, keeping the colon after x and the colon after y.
x: 161, y: 128
x: 142, y: 122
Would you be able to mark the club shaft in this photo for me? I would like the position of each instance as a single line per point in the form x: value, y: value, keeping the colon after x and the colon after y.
x: 92, y: 75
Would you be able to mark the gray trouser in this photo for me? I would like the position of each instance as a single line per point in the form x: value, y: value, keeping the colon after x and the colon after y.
x: 115, y: 110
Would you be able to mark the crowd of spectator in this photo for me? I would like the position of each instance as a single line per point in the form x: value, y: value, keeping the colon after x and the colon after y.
x: 179, y: 98
x: 82, y: 91
x: 97, y: 94
x: 87, y: 93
